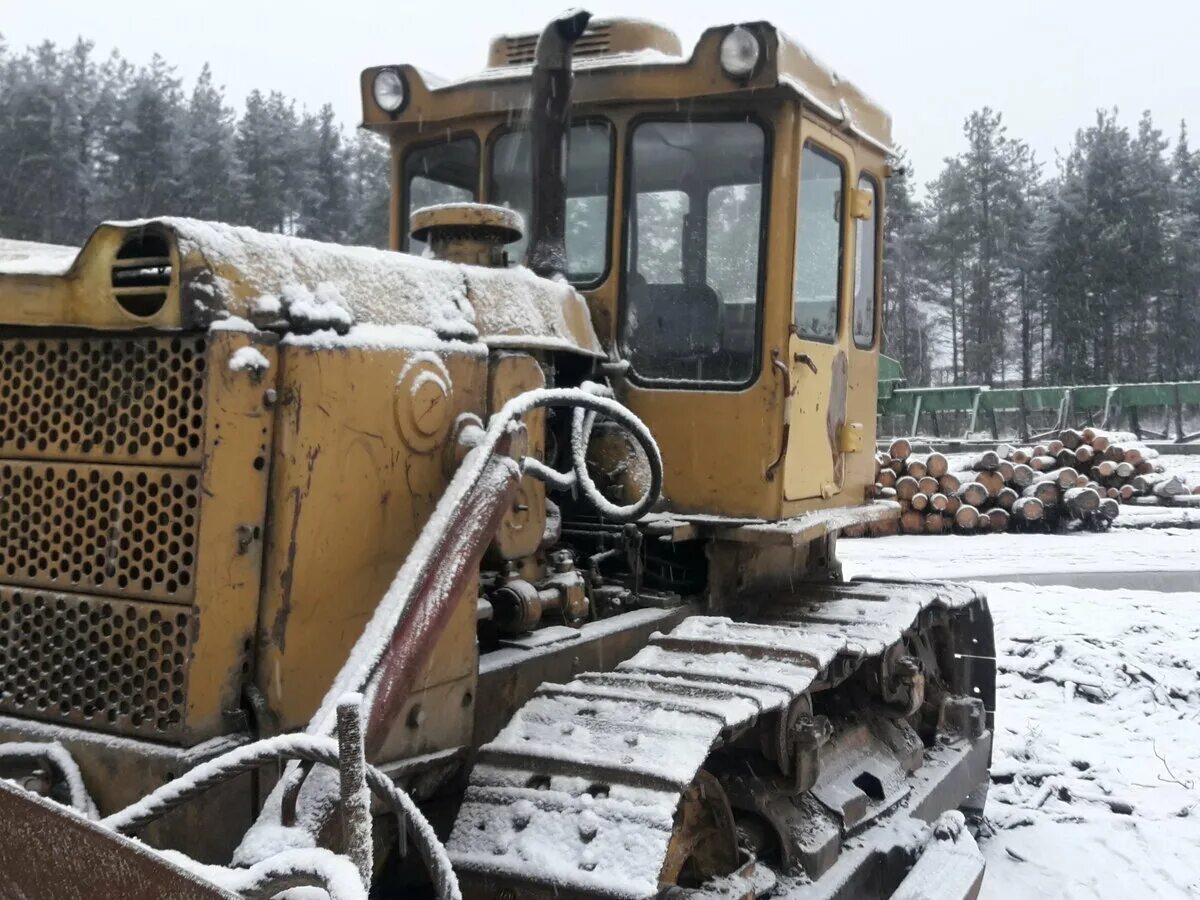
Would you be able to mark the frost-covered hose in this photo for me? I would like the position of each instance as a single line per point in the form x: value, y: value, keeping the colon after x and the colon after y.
x: 587, y: 403
x: 309, y: 748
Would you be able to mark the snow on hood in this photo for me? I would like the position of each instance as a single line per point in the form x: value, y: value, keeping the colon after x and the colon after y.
x: 31, y: 258
x: 376, y: 286
x: 514, y: 305
x: 239, y: 278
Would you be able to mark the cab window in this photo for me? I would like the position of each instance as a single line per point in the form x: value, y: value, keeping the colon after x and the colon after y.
x: 589, y: 186
x: 818, y: 245
x: 444, y: 172
x: 693, y: 251
x: 865, y: 232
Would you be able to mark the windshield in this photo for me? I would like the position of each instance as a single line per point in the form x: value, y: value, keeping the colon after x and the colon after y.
x: 589, y: 174
x: 692, y: 264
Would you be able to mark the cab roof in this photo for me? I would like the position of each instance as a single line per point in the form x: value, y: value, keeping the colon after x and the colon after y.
x: 629, y: 59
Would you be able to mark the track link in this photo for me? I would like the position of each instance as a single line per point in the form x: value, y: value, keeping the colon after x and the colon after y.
x: 580, y: 790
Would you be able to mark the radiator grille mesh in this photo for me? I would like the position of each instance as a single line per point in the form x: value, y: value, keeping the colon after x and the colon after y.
x: 99, y: 529
x: 103, y: 399
x: 93, y: 661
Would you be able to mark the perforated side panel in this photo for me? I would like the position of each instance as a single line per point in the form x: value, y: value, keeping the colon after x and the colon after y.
x: 93, y: 661
x: 99, y: 529
x: 103, y: 399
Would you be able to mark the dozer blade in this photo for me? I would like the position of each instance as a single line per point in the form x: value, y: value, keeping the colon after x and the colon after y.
x: 49, y: 851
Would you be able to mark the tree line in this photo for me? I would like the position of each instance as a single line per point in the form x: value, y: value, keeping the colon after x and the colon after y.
x: 998, y: 272
x: 83, y: 140
x: 1005, y: 274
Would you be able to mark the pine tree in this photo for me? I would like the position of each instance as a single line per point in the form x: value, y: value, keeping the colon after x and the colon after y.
x: 1147, y: 215
x: 207, y: 191
x: 1021, y: 259
x: 1178, y: 334
x: 325, y: 203
x: 905, y: 327
x: 948, y: 247
x: 369, y: 190
x: 260, y: 164
x: 40, y: 138
x: 142, y: 172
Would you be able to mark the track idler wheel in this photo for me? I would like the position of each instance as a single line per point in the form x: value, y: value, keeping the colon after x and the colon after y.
x: 704, y: 843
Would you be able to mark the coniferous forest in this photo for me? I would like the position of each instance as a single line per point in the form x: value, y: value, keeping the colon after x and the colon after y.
x: 1008, y: 271
x: 1000, y: 269
x: 84, y: 139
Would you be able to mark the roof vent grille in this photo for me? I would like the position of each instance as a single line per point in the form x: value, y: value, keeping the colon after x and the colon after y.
x: 603, y: 37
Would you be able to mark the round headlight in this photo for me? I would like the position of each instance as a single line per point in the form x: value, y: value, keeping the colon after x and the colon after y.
x: 740, y: 52
x: 389, y: 90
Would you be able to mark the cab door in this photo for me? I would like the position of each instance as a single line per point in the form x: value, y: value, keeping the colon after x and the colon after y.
x: 817, y: 345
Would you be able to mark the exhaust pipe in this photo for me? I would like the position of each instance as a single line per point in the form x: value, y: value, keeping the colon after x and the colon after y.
x: 551, y: 110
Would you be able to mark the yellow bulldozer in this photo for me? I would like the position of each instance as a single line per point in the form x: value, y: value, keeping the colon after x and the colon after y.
x: 423, y: 572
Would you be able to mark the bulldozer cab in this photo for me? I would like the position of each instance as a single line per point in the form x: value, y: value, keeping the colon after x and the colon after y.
x: 723, y: 217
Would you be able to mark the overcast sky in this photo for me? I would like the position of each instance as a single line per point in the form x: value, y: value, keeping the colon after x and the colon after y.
x: 1046, y: 65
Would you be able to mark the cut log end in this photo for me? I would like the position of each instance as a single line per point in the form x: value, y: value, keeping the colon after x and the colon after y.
x: 1028, y: 509
x: 973, y: 493
x: 967, y: 517
x: 906, y: 487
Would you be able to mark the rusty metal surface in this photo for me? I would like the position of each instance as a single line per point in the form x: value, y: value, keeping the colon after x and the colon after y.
x: 48, y: 852
x: 431, y: 604
x: 118, y: 771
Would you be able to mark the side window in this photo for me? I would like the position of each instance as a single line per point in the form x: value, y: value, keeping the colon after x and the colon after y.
x: 865, y: 231
x: 446, y: 172
x: 818, y: 245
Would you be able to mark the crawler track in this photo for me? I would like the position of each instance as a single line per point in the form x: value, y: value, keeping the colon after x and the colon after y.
x: 581, y: 788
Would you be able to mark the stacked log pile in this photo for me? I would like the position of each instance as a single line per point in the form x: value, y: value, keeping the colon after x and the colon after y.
x: 1081, y: 477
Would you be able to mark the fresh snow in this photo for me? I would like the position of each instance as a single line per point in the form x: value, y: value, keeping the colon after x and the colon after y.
x: 323, y: 306
x: 926, y: 557
x: 248, y: 358
x: 368, y: 336
x: 634, y: 58
x: 512, y: 304
x: 372, y: 285
x: 1096, y: 779
x: 32, y: 258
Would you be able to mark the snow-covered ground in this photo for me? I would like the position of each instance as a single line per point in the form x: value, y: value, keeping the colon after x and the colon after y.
x: 1135, y: 554
x: 1096, y: 777
x: 1096, y: 786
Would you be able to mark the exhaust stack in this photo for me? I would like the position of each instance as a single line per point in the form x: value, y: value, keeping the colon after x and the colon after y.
x: 551, y: 108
